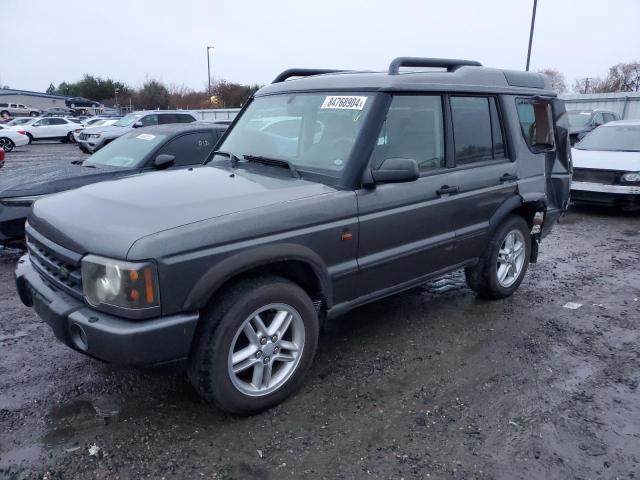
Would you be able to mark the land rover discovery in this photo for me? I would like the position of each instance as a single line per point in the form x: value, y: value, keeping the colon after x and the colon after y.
x: 377, y: 182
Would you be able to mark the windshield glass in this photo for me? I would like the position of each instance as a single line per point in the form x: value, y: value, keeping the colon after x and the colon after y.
x: 20, y: 121
x: 128, y: 120
x: 128, y: 151
x: 579, y: 119
x: 315, y: 132
x: 617, y: 138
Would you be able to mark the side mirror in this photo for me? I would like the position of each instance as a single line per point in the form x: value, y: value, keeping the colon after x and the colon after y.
x: 138, y: 125
x: 396, y: 170
x: 163, y: 161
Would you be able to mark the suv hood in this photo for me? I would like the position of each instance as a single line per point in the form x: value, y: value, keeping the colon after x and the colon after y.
x: 46, y: 179
x: 108, y: 217
x: 606, y: 160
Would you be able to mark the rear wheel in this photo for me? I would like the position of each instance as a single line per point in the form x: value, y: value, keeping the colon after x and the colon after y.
x: 502, y: 268
x: 4, y: 114
x: 254, y: 346
x: 30, y: 138
x: 33, y: 114
x: 70, y: 138
x: 6, y: 144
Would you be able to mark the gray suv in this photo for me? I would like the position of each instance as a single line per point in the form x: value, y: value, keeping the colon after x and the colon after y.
x: 92, y: 139
x: 383, y: 181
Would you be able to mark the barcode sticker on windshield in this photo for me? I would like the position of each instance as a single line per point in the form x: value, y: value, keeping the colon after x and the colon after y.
x: 146, y: 136
x: 344, y: 103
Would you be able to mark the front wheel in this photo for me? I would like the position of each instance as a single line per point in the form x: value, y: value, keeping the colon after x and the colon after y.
x: 501, y: 269
x: 70, y: 138
x: 254, y: 346
x: 6, y: 144
x: 33, y: 114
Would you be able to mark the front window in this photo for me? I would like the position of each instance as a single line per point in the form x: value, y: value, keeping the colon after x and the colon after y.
x: 128, y: 151
x: 128, y: 120
x: 579, y: 119
x: 314, y: 132
x: 618, y: 138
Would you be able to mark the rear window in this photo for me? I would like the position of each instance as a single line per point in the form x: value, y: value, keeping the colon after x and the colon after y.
x: 536, y: 124
x: 477, y: 131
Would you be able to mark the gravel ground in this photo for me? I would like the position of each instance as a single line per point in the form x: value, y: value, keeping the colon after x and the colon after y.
x: 431, y: 383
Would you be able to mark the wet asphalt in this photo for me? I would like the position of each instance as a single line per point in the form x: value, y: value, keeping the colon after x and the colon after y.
x: 431, y: 383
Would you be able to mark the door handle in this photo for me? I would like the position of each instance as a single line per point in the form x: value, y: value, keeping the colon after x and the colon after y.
x: 507, y: 177
x: 447, y: 190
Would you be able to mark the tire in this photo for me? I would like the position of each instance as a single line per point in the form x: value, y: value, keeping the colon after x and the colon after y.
x: 30, y: 138
x: 6, y: 144
x: 33, y: 114
x: 70, y: 138
x: 487, y: 278
x: 221, y: 332
x: 4, y: 114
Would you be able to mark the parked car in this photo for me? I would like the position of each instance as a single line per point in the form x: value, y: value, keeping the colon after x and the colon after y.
x: 11, y: 137
x: 58, y: 112
x: 17, y: 110
x: 95, y: 123
x: 582, y: 122
x: 1, y: 157
x: 234, y: 265
x: 18, y: 121
x: 51, y: 128
x: 94, y: 140
x: 165, y: 147
x: 607, y: 166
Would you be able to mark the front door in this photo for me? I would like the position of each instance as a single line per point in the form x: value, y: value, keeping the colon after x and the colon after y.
x: 406, y: 229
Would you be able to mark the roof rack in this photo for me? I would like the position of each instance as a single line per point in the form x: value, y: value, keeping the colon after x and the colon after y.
x: 302, y: 72
x: 450, y: 64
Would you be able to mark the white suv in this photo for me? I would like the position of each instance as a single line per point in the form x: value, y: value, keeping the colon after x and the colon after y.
x: 17, y: 110
x: 51, y: 128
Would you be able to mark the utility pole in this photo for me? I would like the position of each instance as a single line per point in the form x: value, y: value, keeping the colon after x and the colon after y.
x: 533, y: 22
x: 209, y: 50
x: 586, y: 84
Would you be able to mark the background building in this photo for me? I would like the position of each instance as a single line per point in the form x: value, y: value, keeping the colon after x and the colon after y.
x: 38, y: 100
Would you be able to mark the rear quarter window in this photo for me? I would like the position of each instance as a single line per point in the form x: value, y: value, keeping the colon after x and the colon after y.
x: 536, y: 124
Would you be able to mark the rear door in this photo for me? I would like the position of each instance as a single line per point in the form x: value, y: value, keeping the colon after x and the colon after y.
x: 485, y: 174
x: 406, y: 229
x: 190, y: 148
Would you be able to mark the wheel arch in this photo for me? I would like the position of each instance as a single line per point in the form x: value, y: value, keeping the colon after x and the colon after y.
x: 296, y: 263
x: 518, y: 205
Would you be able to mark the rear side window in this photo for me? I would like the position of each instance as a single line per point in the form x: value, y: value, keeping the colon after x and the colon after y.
x: 191, y: 148
x: 183, y: 118
x: 609, y: 117
x: 413, y: 129
x: 57, y: 121
x: 536, y: 123
x: 149, y: 120
x: 477, y: 131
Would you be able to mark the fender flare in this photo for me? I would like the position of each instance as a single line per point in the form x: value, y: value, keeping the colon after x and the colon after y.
x: 511, y: 204
x: 247, y: 260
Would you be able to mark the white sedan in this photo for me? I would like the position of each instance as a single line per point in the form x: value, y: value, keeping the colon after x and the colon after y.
x: 606, y: 166
x: 51, y: 128
x: 12, y: 137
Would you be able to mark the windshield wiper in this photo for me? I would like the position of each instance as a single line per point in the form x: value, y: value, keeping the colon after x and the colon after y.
x: 278, y: 162
x: 234, y: 159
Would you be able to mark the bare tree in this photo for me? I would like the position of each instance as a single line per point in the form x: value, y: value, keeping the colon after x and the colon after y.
x: 558, y: 82
x: 623, y: 77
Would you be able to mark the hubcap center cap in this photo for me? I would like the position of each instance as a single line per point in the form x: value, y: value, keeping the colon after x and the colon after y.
x: 267, y: 350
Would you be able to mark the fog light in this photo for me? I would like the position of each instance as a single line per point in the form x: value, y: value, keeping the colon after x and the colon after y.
x: 79, y: 337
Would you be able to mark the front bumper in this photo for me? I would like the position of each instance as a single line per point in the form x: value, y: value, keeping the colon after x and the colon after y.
x: 624, y: 196
x: 103, y: 336
x: 90, y: 146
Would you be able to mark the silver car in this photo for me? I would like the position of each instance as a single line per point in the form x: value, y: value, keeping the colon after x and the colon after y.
x: 17, y: 110
x: 93, y: 139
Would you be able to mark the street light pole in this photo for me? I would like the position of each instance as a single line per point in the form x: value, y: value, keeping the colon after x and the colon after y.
x: 533, y: 22
x: 209, y: 50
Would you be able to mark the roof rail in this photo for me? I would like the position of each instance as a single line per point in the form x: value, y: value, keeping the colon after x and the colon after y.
x: 302, y: 72
x: 450, y: 64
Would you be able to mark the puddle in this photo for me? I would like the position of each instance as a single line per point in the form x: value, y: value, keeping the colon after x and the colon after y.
x: 67, y: 421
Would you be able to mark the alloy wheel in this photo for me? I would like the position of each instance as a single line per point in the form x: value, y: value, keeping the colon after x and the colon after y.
x: 511, y: 257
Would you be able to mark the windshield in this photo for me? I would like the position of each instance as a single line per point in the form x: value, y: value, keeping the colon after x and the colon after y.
x: 314, y: 132
x: 617, y: 138
x: 128, y: 120
x: 20, y: 121
x: 128, y: 151
x: 579, y: 119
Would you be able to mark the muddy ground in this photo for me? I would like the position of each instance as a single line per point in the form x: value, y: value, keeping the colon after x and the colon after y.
x: 431, y: 383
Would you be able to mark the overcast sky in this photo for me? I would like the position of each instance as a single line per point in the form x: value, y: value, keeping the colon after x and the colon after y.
x: 47, y: 41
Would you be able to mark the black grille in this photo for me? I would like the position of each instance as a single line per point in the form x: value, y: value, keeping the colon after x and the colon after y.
x: 84, y: 136
x: 606, y: 177
x: 54, y: 266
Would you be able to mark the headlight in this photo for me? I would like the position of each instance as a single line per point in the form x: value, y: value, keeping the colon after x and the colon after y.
x: 20, y: 201
x: 94, y: 135
x: 113, y: 285
x: 631, y: 177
